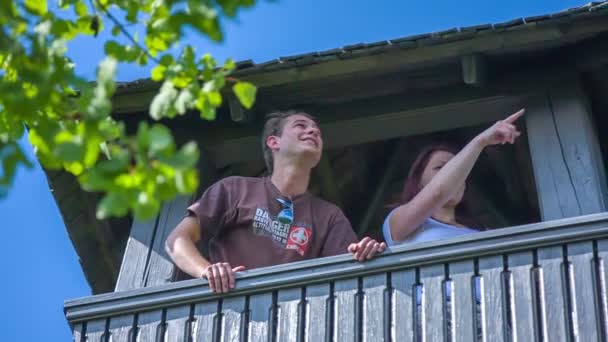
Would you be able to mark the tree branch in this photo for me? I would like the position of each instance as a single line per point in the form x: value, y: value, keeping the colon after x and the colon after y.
x: 124, y: 31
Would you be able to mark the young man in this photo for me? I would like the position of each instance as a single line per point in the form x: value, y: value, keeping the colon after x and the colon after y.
x: 257, y: 222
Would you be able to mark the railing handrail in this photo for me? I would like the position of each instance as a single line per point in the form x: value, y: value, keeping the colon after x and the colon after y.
x: 332, y: 268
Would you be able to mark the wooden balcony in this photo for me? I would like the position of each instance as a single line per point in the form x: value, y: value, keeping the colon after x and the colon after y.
x: 545, y: 281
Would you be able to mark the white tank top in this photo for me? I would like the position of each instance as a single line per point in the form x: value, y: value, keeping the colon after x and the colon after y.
x: 429, y: 230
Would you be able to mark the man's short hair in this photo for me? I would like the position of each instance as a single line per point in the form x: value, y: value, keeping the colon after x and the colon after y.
x: 275, y: 122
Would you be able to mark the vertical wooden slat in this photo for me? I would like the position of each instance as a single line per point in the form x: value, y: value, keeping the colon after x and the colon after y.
x: 96, y: 330
x: 492, y: 298
x: 375, y: 308
x: 403, y: 303
x: 176, y: 324
x: 148, y: 325
x: 462, y: 274
x: 520, y: 267
x: 135, y: 259
x: 160, y: 269
x: 346, y: 309
x: 261, y: 318
x: 233, y: 316
x: 602, y: 255
x: 204, y: 321
x: 120, y: 328
x: 433, y: 318
x: 316, y: 326
x: 553, y: 294
x: 78, y: 332
x: 289, y: 303
x: 584, y: 292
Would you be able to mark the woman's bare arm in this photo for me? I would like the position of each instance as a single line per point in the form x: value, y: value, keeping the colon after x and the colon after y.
x: 409, y: 216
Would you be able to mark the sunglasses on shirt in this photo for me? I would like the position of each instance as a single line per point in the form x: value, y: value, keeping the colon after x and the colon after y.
x: 286, y: 214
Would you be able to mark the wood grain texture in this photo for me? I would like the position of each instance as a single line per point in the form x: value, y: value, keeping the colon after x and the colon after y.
x: 522, y: 296
x: 403, y: 305
x: 205, y: 321
x: 121, y: 328
x: 376, y: 308
x: 463, y: 298
x: 493, y: 305
x: 261, y: 317
x: 177, y: 324
x: 346, y: 310
x: 553, y: 294
x: 584, y: 292
x: 317, y: 326
x: 433, y: 299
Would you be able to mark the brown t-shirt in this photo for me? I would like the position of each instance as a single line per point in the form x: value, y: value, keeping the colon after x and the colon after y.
x: 239, y: 214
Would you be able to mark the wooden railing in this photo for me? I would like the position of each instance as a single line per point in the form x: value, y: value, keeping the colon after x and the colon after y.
x: 540, y: 282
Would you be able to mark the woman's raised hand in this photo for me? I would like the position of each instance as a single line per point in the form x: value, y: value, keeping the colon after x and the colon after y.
x: 503, y: 131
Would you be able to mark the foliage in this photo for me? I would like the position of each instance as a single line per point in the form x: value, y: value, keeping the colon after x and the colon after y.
x: 68, y: 119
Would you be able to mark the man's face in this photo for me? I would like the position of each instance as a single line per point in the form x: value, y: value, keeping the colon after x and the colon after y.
x: 301, y: 137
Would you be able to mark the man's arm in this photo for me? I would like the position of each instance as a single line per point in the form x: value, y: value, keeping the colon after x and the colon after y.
x: 181, y: 247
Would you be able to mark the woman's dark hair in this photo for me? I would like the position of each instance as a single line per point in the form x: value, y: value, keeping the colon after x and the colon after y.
x: 412, y: 186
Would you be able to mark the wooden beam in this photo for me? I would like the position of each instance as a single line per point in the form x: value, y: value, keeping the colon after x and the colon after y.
x: 474, y: 69
x: 237, y: 112
x: 568, y: 167
x: 389, y: 173
x: 329, y: 187
x: 379, y: 119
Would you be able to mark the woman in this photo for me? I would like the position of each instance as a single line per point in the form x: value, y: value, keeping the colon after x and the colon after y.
x: 435, y: 187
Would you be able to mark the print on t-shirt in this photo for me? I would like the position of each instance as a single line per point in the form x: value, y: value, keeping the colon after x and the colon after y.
x: 290, y: 236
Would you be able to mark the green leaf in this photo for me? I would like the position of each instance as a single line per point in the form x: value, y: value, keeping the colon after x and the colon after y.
x: 158, y: 73
x: 38, y: 7
x: 81, y: 9
x: 160, y: 139
x: 186, y: 182
x: 184, y: 101
x: 112, y: 204
x: 245, y: 92
x: 146, y: 207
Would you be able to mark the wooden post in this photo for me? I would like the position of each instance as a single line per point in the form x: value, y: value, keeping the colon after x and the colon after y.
x: 568, y: 168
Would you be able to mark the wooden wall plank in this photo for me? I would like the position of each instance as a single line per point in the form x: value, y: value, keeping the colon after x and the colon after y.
x: 97, y: 330
x: 204, y: 321
x: 492, y: 298
x: 149, y: 325
x: 78, y: 332
x: 433, y: 298
x: 121, y: 328
x: 602, y: 259
x: 580, y: 145
x: 584, y: 292
x: 160, y: 269
x: 261, y: 317
x: 346, y: 310
x: 568, y: 168
x: 553, y: 294
x: 403, y: 305
x: 522, y: 293
x: 556, y: 195
x: 463, y: 300
x: 376, y: 308
x: 177, y: 324
x: 317, y: 324
x: 290, y: 305
x: 135, y: 258
x: 233, y: 319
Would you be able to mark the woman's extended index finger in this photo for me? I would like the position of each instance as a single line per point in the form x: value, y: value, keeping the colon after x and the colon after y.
x: 511, y: 119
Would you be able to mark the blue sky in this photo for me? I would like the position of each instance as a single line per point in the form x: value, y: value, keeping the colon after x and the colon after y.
x: 39, y: 264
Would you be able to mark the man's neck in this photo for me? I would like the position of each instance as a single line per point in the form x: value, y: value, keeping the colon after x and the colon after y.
x: 290, y: 180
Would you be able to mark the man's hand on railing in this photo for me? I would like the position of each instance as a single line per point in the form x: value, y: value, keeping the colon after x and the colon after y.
x: 366, y: 249
x: 221, y: 276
